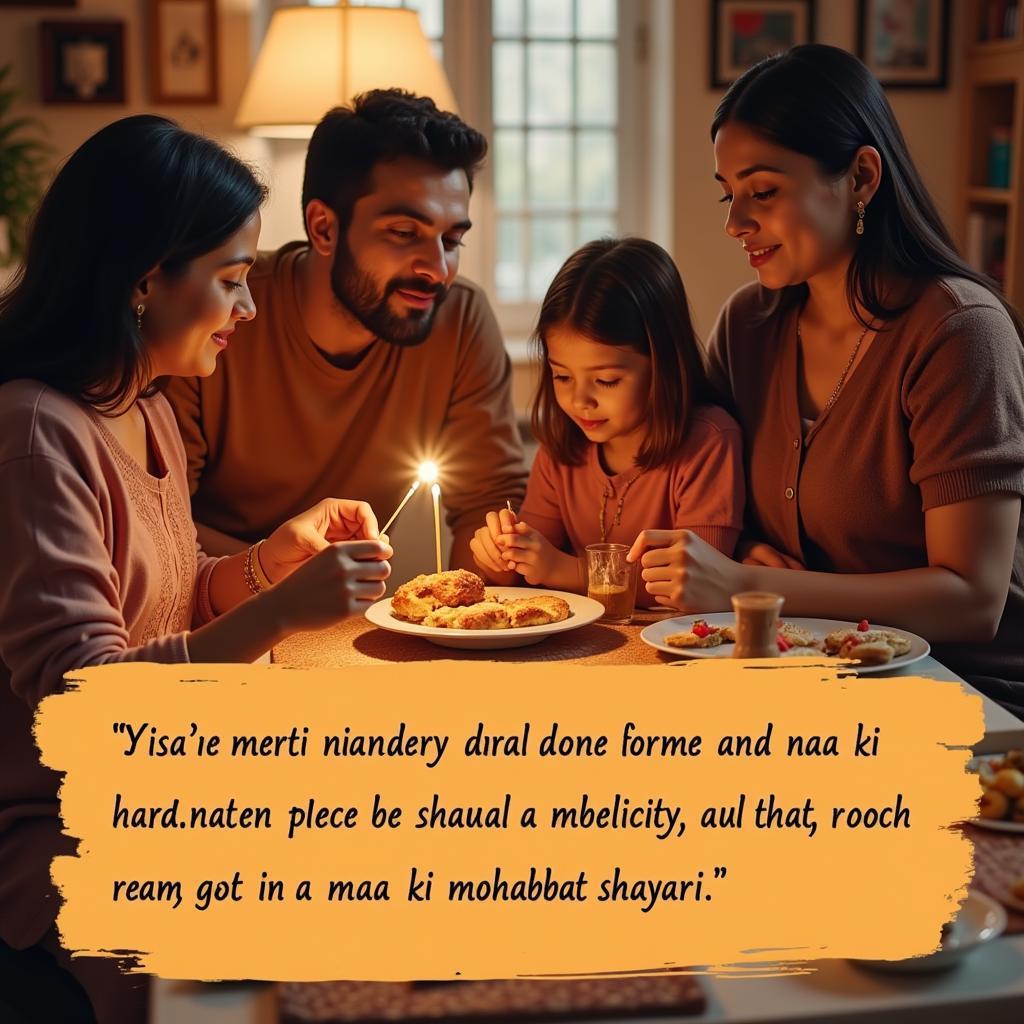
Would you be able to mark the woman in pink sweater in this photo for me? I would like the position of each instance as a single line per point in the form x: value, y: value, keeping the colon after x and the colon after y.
x: 135, y: 272
x: 632, y: 446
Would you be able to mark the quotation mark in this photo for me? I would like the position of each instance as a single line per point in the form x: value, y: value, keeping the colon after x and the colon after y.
x: 720, y: 872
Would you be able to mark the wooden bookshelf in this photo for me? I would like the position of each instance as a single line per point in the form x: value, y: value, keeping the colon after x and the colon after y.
x: 991, y: 205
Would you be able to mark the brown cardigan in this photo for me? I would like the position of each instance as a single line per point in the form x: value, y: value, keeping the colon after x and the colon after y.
x: 932, y: 415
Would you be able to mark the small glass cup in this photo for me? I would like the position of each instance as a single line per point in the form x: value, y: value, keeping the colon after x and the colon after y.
x: 757, y: 624
x: 612, y: 581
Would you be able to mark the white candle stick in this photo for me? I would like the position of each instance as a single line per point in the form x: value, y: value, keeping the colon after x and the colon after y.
x: 394, y: 515
x: 435, y: 490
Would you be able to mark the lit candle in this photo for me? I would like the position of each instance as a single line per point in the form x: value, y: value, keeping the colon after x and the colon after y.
x: 435, y: 490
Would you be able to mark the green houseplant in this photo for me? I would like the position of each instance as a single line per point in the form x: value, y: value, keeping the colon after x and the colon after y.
x: 22, y: 163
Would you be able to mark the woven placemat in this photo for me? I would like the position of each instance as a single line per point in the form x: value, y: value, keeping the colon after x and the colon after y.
x: 334, y: 1002
x: 998, y: 863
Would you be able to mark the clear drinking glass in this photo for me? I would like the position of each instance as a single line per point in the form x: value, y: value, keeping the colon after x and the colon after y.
x: 612, y: 581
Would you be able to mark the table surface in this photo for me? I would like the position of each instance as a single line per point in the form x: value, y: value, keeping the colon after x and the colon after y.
x: 357, y: 642
x: 988, y: 985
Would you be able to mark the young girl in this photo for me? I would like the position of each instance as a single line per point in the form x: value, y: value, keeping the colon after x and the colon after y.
x: 631, y: 446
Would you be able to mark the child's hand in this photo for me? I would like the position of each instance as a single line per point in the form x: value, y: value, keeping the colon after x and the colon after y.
x: 484, y: 546
x: 531, y: 554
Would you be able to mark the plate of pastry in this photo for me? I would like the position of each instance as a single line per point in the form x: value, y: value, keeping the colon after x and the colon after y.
x: 1002, y: 793
x: 457, y: 609
x: 876, y: 648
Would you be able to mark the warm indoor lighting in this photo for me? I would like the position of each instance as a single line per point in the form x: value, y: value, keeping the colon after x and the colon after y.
x: 428, y: 472
x: 316, y: 58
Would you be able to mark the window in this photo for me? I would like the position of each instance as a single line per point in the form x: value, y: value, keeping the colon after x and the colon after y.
x: 555, y: 85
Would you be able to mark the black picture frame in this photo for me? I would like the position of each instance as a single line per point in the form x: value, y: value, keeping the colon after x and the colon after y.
x: 745, y: 31
x: 82, y: 62
x: 919, y: 60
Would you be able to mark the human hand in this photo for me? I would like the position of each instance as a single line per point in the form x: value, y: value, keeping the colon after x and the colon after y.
x: 757, y: 552
x: 531, y: 554
x: 484, y: 543
x: 329, y: 521
x: 680, y: 570
x: 340, y: 580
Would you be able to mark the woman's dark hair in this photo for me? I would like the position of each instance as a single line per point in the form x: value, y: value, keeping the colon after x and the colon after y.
x: 824, y: 103
x: 140, y: 193
x: 380, y: 126
x: 628, y: 293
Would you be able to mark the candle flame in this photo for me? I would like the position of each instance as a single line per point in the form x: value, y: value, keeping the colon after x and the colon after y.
x: 428, y: 472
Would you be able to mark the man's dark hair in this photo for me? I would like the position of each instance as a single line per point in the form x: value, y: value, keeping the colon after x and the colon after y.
x: 383, y: 125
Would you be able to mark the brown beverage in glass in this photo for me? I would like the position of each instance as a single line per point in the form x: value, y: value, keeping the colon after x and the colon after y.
x: 757, y: 617
x: 612, y: 581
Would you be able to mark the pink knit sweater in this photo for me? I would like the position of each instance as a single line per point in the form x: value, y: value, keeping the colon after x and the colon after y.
x: 100, y: 565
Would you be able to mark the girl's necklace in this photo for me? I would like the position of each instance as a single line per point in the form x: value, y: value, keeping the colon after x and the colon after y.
x: 618, y: 508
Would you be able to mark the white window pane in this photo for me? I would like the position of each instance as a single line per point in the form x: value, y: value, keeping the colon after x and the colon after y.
x: 550, y: 168
x: 509, y: 270
x: 595, y: 83
x: 595, y: 19
x: 550, y: 244
x: 508, y: 83
x: 596, y: 178
x: 591, y: 226
x: 510, y: 168
x: 507, y: 17
x: 549, y: 18
x: 550, y: 83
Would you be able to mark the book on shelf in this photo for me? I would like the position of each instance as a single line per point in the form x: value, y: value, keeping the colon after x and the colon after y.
x: 999, y: 19
x: 986, y: 244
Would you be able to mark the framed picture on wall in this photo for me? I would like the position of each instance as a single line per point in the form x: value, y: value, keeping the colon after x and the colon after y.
x: 82, y: 61
x: 905, y: 42
x: 746, y: 31
x: 183, y: 51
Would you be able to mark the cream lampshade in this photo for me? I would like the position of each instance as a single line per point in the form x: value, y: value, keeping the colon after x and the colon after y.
x: 315, y: 58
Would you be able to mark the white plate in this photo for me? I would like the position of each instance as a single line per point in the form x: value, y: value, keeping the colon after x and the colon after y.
x: 582, y: 611
x: 981, y: 919
x: 995, y: 824
x: 655, y: 636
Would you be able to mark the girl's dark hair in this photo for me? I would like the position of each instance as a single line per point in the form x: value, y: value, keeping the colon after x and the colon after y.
x: 628, y: 293
x: 140, y: 193
x: 823, y: 102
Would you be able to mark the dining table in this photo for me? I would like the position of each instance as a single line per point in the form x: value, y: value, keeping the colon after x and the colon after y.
x: 986, y: 986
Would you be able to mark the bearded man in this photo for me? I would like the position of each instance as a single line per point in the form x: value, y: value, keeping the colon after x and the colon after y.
x: 367, y: 354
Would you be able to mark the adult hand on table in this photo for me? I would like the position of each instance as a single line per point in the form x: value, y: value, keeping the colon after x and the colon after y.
x: 757, y: 552
x: 307, y: 534
x: 680, y: 570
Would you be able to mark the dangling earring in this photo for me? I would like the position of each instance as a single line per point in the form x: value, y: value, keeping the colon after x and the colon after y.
x: 860, y: 219
x: 139, y: 310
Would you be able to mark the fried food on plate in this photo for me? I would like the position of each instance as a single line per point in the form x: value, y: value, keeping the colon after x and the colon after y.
x: 415, y: 600
x: 482, y: 615
x: 843, y: 642
x: 537, y: 611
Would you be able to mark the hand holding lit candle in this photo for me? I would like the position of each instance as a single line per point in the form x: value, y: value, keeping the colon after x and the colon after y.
x: 427, y: 475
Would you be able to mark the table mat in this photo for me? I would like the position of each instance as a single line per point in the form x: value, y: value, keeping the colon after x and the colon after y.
x: 998, y: 863
x: 356, y: 641
x: 339, y: 1002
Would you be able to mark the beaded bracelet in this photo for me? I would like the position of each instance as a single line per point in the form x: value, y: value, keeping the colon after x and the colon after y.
x: 249, y: 573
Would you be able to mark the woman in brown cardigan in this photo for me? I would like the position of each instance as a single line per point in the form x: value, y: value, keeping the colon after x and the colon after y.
x: 136, y: 271
x: 879, y: 381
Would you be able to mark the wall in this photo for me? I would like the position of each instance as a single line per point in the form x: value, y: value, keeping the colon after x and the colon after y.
x: 711, y: 265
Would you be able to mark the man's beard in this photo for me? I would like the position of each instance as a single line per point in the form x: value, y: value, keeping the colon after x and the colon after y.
x: 359, y: 294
